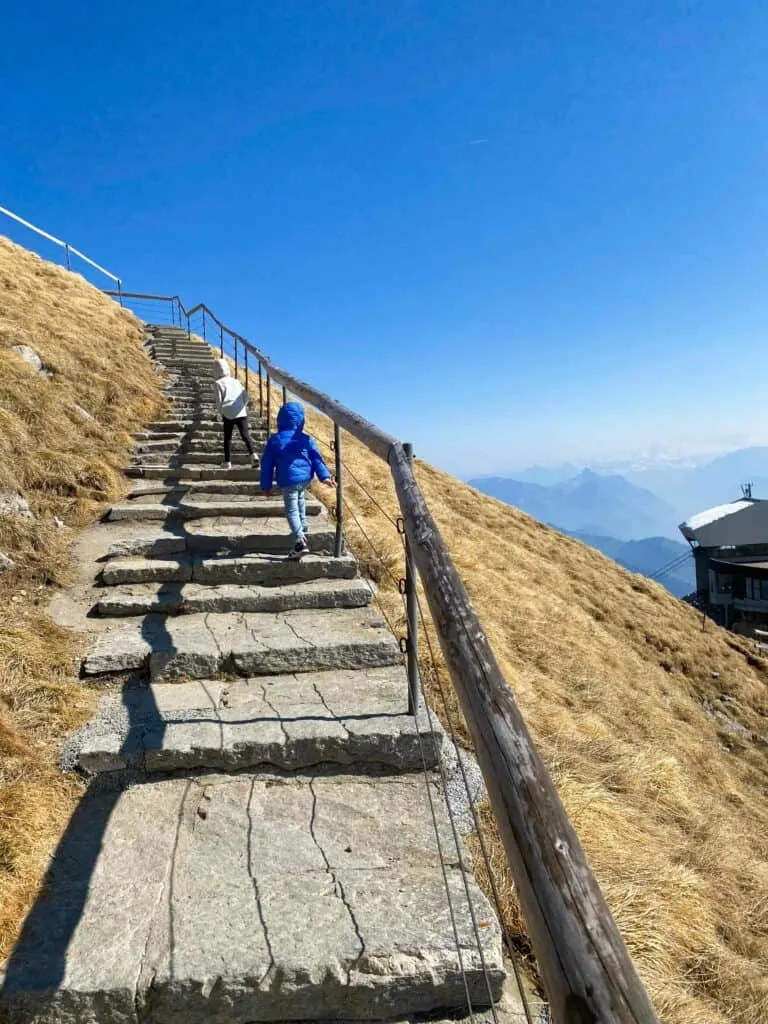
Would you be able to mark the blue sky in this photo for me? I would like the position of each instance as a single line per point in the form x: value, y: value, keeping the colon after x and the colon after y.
x: 506, y: 231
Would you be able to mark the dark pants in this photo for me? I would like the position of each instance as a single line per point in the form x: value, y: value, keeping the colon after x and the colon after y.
x: 242, y: 425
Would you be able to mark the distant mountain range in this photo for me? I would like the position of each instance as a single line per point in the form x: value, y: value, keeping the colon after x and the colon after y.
x: 603, y: 506
x: 691, y: 490
x: 688, y: 488
x: 633, y: 518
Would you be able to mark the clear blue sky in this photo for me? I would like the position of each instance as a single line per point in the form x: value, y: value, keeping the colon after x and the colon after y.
x: 505, y: 230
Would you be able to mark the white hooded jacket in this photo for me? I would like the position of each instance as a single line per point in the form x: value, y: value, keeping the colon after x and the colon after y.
x: 231, y: 396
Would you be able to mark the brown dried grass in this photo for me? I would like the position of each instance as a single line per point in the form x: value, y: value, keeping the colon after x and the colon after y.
x: 617, y: 681
x: 67, y: 467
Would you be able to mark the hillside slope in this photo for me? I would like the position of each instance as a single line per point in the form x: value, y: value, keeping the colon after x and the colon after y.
x: 64, y: 435
x: 654, y: 729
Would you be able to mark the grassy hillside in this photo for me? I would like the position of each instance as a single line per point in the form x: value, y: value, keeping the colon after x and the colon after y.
x: 653, y: 727
x: 65, y: 466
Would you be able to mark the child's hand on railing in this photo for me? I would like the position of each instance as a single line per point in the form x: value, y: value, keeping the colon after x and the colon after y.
x: 329, y: 482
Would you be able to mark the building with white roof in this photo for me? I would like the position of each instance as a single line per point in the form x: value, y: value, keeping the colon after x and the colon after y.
x: 730, y: 546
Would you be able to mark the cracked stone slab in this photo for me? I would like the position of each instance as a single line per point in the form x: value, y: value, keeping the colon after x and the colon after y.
x: 347, y: 718
x: 191, y: 598
x: 247, y: 899
x: 258, y: 569
x: 200, y: 646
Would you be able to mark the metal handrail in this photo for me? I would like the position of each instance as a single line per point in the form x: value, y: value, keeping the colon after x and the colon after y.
x: 68, y: 248
x: 587, y: 972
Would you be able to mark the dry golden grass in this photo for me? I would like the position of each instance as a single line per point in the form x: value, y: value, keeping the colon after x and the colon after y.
x: 614, y: 677
x: 67, y: 467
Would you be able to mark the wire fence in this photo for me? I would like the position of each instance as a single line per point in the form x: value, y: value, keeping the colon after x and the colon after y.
x: 534, y: 1011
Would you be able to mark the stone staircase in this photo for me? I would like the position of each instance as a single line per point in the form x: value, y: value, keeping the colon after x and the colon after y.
x: 257, y: 840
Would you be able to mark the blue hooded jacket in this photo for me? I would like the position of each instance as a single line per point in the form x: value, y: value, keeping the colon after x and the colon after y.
x: 291, y: 452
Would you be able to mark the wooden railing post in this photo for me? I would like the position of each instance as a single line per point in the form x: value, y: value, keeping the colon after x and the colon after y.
x: 338, y: 546
x: 412, y: 616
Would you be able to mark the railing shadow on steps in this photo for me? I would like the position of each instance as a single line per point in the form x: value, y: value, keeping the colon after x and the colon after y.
x: 587, y: 973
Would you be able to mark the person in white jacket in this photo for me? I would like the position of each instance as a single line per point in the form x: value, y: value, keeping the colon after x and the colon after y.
x: 232, y: 403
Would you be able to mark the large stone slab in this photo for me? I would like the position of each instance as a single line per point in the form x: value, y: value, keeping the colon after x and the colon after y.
x: 241, y: 899
x: 171, y: 474
x: 239, y: 456
x: 256, y: 569
x: 176, y: 489
x: 226, y: 534
x: 198, y: 509
x: 189, y: 598
x: 210, y: 445
x: 202, y: 646
x: 357, y: 720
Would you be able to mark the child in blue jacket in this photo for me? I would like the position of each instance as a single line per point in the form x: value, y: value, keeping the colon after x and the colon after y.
x: 296, y: 459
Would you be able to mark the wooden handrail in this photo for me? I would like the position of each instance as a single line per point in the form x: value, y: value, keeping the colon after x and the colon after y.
x: 588, y: 974
x: 586, y: 968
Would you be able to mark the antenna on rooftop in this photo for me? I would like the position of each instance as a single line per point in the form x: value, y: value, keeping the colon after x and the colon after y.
x: 746, y: 490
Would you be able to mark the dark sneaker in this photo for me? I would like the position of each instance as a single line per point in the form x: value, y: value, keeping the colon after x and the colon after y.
x: 300, y: 549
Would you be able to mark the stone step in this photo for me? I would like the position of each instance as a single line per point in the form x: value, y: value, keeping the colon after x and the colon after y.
x: 176, y: 426
x: 192, y: 598
x: 181, y: 352
x: 196, y: 509
x: 196, y: 434
x: 199, y: 367
x: 355, y: 720
x: 234, y: 535
x: 258, y: 569
x: 176, y: 489
x: 184, y: 356
x: 203, y: 646
x: 242, y: 898
x: 238, y: 457
x: 192, y: 445
x: 172, y: 474
x: 180, y: 345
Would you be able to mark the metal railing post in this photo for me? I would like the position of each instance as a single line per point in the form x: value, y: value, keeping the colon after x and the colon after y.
x: 269, y: 403
x: 338, y: 544
x: 245, y: 360
x: 173, y: 314
x: 189, y: 332
x: 412, y: 615
x: 204, y: 337
x: 261, y: 393
x: 66, y: 251
x: 221, y: 339
x: 120, y: 291
x: 285, y: 395
x: 235, y: 356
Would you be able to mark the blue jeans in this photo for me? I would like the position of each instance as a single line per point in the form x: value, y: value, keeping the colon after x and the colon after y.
x: 296, y: 509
